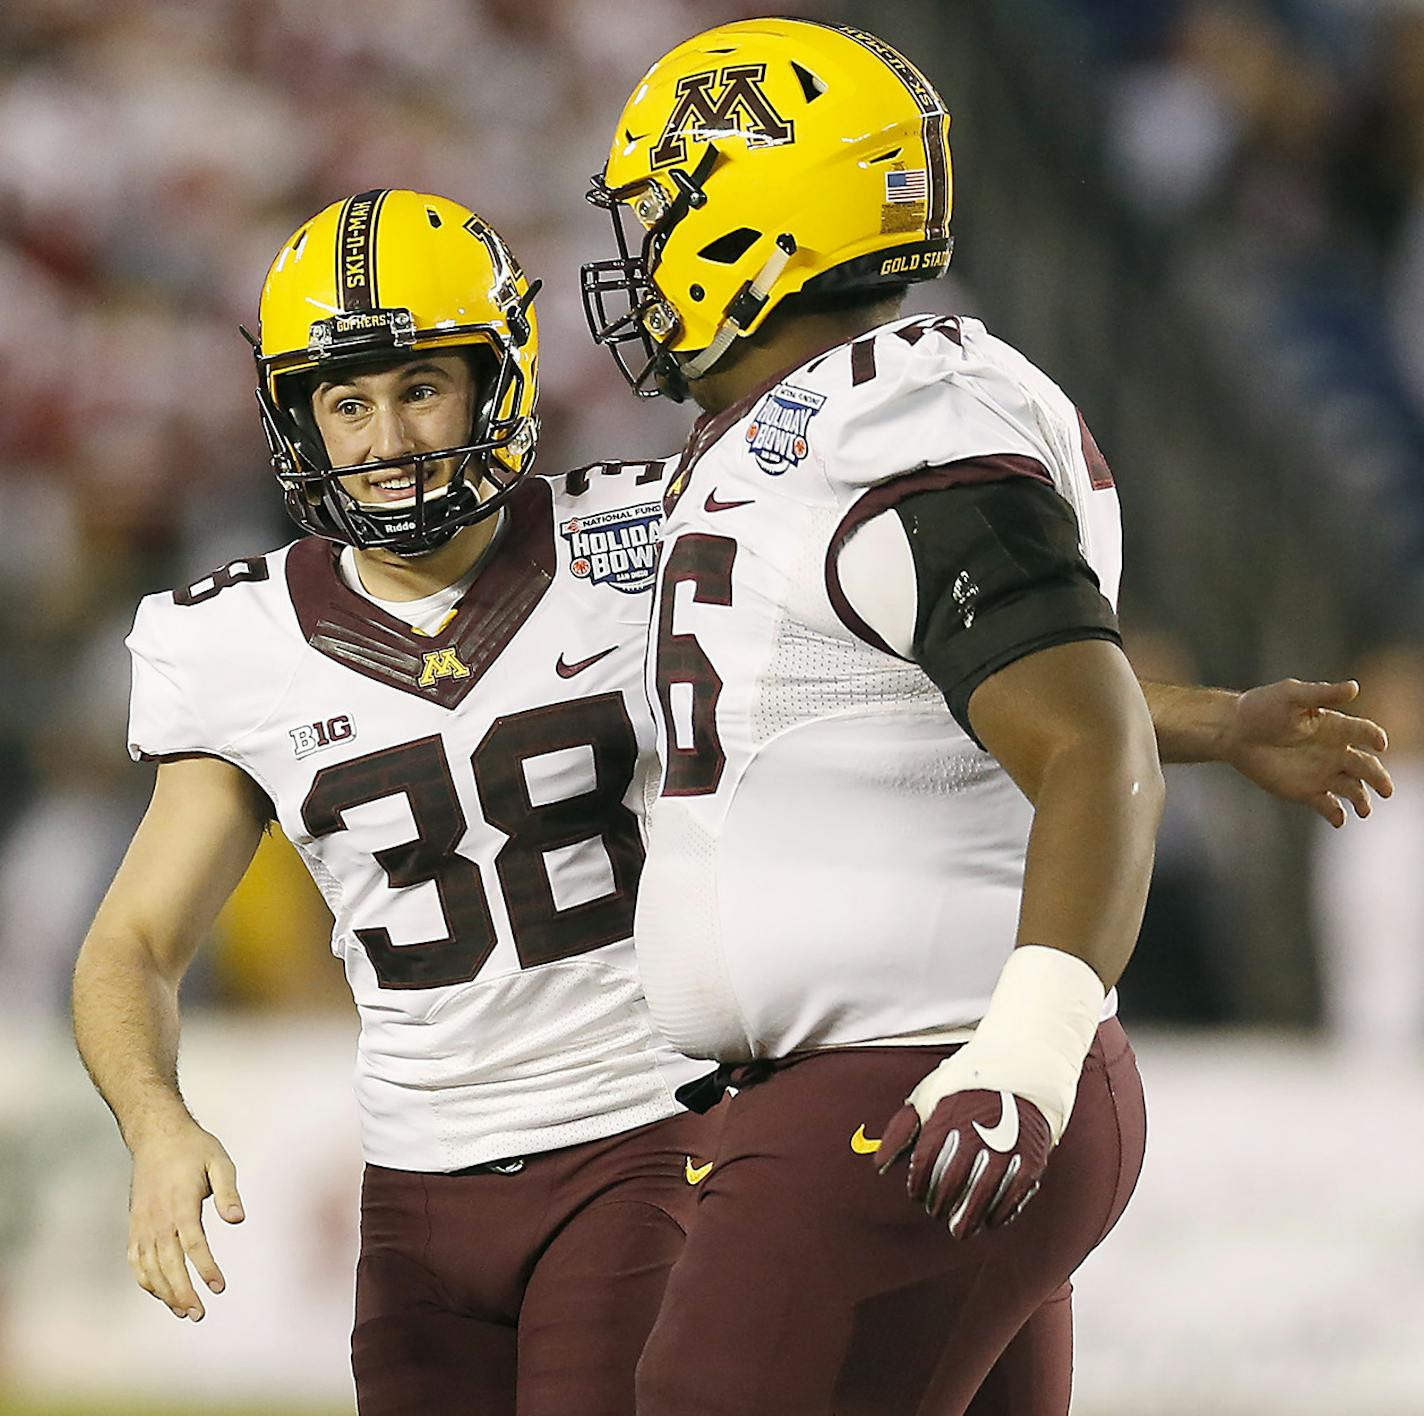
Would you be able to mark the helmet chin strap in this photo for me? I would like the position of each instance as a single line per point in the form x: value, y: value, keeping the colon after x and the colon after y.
x: 744, y: 307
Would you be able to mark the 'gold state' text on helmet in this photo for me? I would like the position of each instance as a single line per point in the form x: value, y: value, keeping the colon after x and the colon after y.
x: 756, y: 161
x: 382, y: 276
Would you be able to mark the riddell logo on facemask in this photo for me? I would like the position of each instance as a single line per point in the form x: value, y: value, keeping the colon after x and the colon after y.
x: 741, y: 106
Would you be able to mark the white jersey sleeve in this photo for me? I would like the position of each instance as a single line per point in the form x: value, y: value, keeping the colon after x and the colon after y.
x: 930, y: 394
x: 877, y: 574
x: 192, y: 689
x: 978, y: 408
x: 163, y: 715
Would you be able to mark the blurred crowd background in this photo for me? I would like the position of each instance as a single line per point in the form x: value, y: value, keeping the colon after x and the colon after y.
x: 1205, y: 219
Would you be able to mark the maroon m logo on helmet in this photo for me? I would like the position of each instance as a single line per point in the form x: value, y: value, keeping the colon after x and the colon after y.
x: 742, y: 105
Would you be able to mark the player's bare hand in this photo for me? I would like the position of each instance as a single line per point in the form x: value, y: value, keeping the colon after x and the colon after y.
x: 174, y: 1171
x: 1291, y: 739
x: 975, y: 1161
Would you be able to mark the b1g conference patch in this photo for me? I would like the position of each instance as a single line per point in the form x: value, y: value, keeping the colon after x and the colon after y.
x: 618, y: 547
x: 776, y: 435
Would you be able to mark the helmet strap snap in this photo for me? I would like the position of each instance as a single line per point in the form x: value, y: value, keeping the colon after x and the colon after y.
x: 744, y: 307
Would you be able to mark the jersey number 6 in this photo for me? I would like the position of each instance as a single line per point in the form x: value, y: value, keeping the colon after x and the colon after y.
x: 694, y: 754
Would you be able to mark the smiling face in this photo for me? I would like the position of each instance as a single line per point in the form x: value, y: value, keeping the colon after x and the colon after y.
x: 418, y: 406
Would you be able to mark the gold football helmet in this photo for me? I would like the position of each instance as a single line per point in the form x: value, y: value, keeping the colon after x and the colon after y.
x: 379, y: 277
x: 758, y: 160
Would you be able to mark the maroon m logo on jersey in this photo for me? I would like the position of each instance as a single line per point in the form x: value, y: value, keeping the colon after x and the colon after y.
x: 742, y: 105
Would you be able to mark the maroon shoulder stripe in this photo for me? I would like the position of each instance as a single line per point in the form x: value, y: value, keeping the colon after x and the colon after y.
x: 997, y: 467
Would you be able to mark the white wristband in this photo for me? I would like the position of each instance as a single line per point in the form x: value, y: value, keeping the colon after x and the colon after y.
x: 1033, y: 1038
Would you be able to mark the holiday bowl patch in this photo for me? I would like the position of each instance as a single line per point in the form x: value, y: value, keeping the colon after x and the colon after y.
x: 619, y: 547
x: 776, y: 435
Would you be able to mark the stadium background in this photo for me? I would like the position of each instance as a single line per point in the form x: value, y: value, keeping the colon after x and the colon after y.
x: 1206, y: 220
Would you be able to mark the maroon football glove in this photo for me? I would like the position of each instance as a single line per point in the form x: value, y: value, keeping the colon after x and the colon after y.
x: 976, y: 1162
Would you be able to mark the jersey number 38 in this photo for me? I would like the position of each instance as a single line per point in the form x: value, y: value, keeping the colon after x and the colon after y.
x: 421, y: 772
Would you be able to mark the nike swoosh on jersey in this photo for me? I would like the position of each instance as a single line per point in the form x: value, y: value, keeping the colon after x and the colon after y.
x: 1004, y: 1135
x: 862, y: 1144
x: 565, y: 670
x: 696, y: 1174
x: 712, y: 504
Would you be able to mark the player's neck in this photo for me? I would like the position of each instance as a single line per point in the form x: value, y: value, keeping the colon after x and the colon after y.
x: 785, y: 345
x: 388, y: 576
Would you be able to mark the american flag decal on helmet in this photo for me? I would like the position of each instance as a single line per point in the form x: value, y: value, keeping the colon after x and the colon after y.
x: 911, y: 186
x: 931, y: 107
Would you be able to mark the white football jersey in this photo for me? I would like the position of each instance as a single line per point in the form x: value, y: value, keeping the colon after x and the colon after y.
x: 832, y: 859
x: 469, y: 803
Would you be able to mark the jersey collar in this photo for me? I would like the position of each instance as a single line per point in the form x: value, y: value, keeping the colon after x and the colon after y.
x: 440, y: 668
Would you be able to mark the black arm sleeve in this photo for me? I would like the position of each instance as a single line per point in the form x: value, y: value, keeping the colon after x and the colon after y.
x: 999, y: 577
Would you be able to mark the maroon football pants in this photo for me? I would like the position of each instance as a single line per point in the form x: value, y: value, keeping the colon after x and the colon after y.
x: 493, y: 1294
x: 812, y: 1286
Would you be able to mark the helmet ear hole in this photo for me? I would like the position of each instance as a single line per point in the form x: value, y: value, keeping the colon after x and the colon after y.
x: 812, y: 85
x: 729, y: 248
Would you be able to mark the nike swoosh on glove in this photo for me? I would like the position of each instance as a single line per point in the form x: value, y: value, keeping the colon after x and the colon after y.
x: 977, y: 1160
x: 979, y: 1127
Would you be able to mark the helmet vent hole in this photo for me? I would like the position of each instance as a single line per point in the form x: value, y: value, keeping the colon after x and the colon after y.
x: 812, y: 85
x: 433, y: 217
x: 730, y: 248
x: 886, y: 156
x: 301, y: 241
